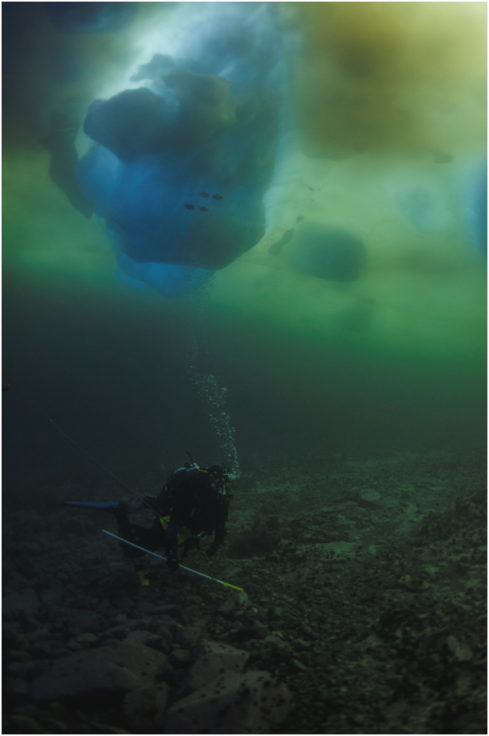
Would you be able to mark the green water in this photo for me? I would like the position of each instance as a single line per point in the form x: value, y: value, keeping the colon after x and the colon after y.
x: 393, y: 360
x: 357, y: 526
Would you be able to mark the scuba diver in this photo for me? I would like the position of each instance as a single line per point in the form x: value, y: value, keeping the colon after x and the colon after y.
x: 194, y: 503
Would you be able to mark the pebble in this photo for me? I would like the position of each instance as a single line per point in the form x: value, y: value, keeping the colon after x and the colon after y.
x: 166, y: 639
x: 189, y: 635
x: 461, y: 651
x: 277, y: 611
x: 86, y: 638
x: 180, y: 656
x: 236, y: 629
x: 258, y: 630
x: 370, y: 495
x: 230, y: 606
x: 277, y: 644
x: 322, y: 659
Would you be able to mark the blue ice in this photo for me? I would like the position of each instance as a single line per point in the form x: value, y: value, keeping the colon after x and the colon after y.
x: 179, y: 166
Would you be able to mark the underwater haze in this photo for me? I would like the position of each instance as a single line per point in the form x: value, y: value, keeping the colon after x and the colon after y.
x: 255, y: 233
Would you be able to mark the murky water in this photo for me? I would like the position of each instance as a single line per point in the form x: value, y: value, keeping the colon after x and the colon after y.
x: 256, y: 232
x: 364, y: 327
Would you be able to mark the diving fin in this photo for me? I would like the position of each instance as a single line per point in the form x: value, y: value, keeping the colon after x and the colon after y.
x: 128, y: 508
x: 100, y: 505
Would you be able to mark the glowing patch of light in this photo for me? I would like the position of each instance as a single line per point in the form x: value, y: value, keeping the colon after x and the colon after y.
x: 172, y: 31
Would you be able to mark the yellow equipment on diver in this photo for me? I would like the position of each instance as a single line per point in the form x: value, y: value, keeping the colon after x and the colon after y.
x: 184, y: 532
x: 182, y: 567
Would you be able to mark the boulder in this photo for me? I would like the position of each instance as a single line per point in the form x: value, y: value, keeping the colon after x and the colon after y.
x: 189, y: 636
x: 139, y: 636
x: 118, y: 668
x: 180, y: 656
x: 145, y: 705
x: 213, y: 659
x: 234, y: 604
x: 251, y: 702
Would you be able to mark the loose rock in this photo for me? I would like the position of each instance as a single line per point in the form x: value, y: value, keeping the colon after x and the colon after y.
x: 213, y: 659
x: 118, y: 668
x: 232, y: 703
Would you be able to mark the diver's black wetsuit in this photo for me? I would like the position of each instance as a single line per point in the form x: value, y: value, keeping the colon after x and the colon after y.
x: 194, y: 502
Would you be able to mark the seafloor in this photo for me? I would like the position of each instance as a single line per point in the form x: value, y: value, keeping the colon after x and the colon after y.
x: 365, y: 611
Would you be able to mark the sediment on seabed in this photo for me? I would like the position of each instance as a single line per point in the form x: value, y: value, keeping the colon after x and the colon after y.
x: 364, y: 612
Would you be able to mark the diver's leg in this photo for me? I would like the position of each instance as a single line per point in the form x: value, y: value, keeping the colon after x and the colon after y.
x: 149, y: 537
